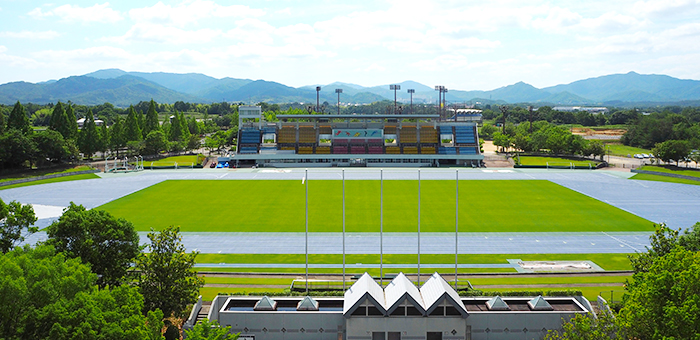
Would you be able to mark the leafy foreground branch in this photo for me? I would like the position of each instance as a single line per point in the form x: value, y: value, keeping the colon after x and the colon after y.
x: 662, y: 299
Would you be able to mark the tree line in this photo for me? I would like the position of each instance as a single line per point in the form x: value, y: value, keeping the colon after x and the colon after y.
x: 541, y: 137
x: 79, y: 283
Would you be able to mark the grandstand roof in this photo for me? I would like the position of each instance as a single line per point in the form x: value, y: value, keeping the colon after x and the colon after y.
x: 364, y: 289
x: 436, y: 290
x: 401, y: 289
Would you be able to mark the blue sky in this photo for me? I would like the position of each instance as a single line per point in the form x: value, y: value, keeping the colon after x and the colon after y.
x: 465, y: 45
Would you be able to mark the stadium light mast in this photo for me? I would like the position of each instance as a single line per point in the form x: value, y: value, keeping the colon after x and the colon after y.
x: 419, y: 227
x: 318, y: 91
x: 338, y: 91
x: 306, y: 234
x: 439, y: 88
x: 381, y: 227
x: 411, y: 92
x: 395, y: 88
x: 343, y: 229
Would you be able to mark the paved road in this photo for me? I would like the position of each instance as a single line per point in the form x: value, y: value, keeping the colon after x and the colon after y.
x: 677, y: 205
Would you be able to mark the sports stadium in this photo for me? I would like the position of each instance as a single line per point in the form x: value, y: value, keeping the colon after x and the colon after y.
x: 401, y: 199
x: 393, y: 140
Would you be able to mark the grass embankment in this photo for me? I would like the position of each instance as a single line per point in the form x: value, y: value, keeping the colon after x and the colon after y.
x: 278, y: 206
x: 668, y: 170
x: 617, y: 149
x: 555, y: 161
x: 187, y: 160
x: 39, y: 173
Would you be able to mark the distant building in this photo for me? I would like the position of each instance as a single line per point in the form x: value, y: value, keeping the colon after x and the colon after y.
x: 580, y: 108
x: 465, y: 115
x: 81, y: 121
x: 368, y: 311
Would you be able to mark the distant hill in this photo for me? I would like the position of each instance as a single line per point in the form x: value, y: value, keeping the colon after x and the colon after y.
x: 122, y: 91
x: 124, y: 88
x: 632, y: 87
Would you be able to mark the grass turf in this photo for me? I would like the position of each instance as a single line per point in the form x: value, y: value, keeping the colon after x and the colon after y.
x: 674, y: 170
x: 661, y: 178
x: 52, y: 180
x: 42, y: 172
x: 554, y: 161
x: 606, y: 261
x: 278, y: 206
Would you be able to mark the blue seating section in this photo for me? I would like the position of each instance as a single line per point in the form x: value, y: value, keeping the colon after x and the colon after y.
x: 465, y: 135
x: 248, y: 149
x: 468, y: 151
x: 447, y: 151
x: 269, y: 129
x: 445, y: 130
x: 250, y: 137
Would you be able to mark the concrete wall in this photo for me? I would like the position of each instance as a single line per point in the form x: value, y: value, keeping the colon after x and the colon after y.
x: 509, y: 325
x: 285, y: 325
x: 411, y: 327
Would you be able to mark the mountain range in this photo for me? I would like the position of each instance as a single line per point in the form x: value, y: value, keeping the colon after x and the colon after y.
x: 123, y: 88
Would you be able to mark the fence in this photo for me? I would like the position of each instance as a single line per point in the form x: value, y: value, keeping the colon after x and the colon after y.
x: 38, y: 178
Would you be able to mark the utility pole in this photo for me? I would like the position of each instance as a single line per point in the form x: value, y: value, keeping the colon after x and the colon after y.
x: 411, y: 92
x: 395, y: 88
x: 318, y: 91
x: 338, y: 91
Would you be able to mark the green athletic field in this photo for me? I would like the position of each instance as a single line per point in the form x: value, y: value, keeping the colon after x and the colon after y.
x: 278, y: 206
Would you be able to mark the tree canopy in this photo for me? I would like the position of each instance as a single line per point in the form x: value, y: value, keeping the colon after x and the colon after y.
x: 16, y: 221
x: 168, y: 280
x: 108, y: 244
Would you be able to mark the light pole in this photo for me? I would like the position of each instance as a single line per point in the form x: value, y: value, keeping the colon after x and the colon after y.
x: 395, y: 88
x: 441, y: 89
x: 318, y: 91
x: 343, y: 229
x: 418, y: 227
x: 306, y: 233
x: 411, y: 92
x: 381, y: 227
x: 456, y: 222
x: 338, y: 91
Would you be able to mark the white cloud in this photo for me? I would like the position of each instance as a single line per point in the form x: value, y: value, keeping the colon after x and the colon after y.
x: 152, y: 33
x: 30, y: 34
x: 190, y: 12
x: 69, y: 13
x: 664, y: 7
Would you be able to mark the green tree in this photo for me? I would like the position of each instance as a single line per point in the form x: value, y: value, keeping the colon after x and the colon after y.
x: 57, y: 120
x: 16, y: 222
x: 671, y: 150
x: 168, y: 280
x: 89, y: 138
x: 2, y: 121
x: 194, y: 142
x: 210, y: 330
x: 176, y: 133
x: 17, y: 149
x: 46, y: 295
x: 132, y: 131
x: 117, y: 140
x: 18, y: 119
x: 587, y: 327
x: 50, y: 145
x: 104, y: 138
x: 155, y: 142
x: 107, y: 243
x: 664, y: 302
x: 501, y: 140
x: 72, y: 122
x: 152, y: 123
x: 661, y: 243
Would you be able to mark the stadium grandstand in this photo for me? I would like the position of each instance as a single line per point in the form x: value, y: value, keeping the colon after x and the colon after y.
x: 323, y: 140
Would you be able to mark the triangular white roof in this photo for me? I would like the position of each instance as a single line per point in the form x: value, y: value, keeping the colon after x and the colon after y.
x: 401, y: 289
x: 307, y: 304
x: 539, y: 303
x: 265, y: 304
x: 364, y: 289
x: 496, y: 303
x: 436, y: 290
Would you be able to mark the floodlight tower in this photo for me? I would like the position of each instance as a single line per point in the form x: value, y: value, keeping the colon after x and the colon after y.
x: 441, y: 95
x: 395, y: 88
x: 338, y: 91
x: 411, y: 92
x: 318, y: 91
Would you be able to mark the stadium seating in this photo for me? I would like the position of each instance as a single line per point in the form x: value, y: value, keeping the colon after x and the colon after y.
x: 447, y: 151
x: 468, y: 151
x: 340, y: 149
x: 465, y: 135
x: 407, y: 134
x: 306, y: 150
x: 393, y: 150
x: 428, y: 135
x: 427, y: 150
x: 357, y: 149
x: 307, y: 134
x: 410, y: 150
x: 375, y: 150
x: 323, y: 150
x: 287, y: 135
